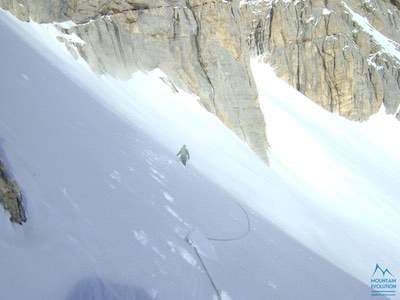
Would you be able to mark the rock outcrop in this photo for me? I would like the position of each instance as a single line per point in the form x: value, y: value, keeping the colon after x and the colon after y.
x: 343, y: 55
x: 10, y: 197
x: 198, y: 44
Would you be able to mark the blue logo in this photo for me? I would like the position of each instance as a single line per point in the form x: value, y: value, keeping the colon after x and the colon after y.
x: 383, y: 282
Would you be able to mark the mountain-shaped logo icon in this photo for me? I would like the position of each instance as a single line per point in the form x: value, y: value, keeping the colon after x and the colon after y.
x: 383, y: 282
x: 383, y: 272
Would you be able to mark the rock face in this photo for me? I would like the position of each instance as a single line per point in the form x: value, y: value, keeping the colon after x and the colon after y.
x: 341, y: 54
x: 10, y: 197
x: 198, y: 44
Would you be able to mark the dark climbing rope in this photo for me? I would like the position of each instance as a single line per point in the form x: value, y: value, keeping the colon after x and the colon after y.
x: 239, y: 237
x: 207, y: 272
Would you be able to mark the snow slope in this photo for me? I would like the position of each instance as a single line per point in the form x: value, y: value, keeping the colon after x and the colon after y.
x: 109, y: 206
x: 347, y: 171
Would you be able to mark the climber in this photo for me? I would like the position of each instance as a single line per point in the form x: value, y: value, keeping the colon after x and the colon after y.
x: 183, y: 155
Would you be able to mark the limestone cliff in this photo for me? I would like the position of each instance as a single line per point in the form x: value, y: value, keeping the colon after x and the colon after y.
x: 344, y: 55
x: 198, y: 44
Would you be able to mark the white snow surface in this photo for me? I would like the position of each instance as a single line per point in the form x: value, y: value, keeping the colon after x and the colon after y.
x: 326, y: 11
x: 346, y: 172
x: 95, y: 158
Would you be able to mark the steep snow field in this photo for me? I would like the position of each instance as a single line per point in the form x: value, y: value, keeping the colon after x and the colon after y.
x: 109, y: 206
x: 346, y: 171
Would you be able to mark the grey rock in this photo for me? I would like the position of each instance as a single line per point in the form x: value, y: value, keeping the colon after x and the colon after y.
x: 317, y: 48
x: 10, y: 197
x: 199, y: 45
x: 204, y: 48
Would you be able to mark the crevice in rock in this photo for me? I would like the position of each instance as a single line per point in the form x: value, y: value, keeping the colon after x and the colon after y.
x: 300, y: 25
x: 175, y: 23
x: 372, y: 84
x: 120, y: 47
x: 271, y: 18
x: 259, y: 38
x: 200, y: 58
x: 326, y: 74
